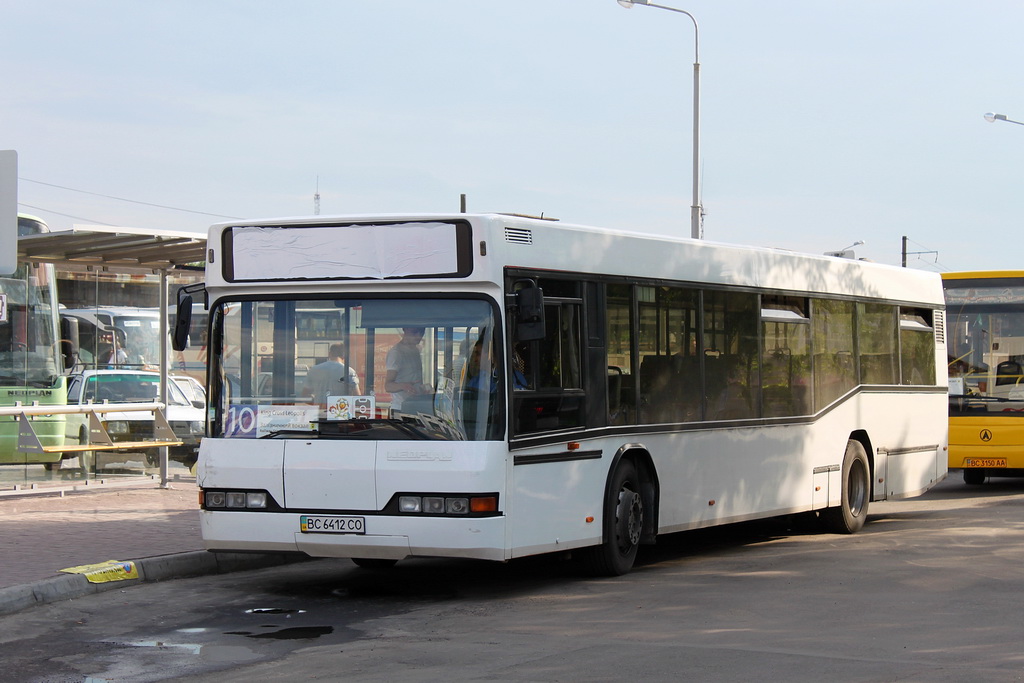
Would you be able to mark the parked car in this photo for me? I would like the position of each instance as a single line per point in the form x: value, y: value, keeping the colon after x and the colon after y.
x: 193, y: 389
x: 135, y: 386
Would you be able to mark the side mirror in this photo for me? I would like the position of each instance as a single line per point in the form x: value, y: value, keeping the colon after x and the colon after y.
x: 529, y: 312
x: 69, y: 341
x: 182, y: 322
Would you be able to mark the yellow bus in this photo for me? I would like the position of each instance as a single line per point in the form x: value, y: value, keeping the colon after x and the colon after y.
x: 985, y: 320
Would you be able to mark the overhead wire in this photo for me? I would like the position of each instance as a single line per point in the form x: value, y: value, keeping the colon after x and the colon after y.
x: 122, y: 199
x: 66, y: 215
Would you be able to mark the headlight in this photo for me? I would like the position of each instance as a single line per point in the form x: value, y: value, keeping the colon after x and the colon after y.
x: 234, y: 500
x: 117, y: 427
x: 450, y: 505
x: 188, y: 428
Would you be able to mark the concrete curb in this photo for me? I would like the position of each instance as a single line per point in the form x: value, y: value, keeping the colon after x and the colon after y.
x: 159, y: 568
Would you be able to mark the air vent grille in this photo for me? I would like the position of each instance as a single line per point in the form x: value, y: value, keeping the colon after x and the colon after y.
x: 519, y: 235
x: 939, y: 325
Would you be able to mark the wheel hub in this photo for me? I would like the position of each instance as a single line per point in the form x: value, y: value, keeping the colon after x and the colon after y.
x: 630, y: 518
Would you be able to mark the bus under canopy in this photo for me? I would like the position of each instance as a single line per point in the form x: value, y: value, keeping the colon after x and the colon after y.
x: 30, y: 359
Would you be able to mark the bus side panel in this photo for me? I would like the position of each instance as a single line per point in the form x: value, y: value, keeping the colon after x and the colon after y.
x: 912, y: 433
x: 911, y: 474
x: 552, y: 502
x: 740, y: 473
x: 718, y: 476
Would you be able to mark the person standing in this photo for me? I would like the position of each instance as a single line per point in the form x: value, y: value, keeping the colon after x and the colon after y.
x: 404, y: 367
x: 333, y: 377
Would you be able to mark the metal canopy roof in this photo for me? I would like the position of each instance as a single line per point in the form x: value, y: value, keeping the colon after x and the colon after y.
x: 113, y: 248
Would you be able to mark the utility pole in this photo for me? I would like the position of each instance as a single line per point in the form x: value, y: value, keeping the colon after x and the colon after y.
x: 905, y: 252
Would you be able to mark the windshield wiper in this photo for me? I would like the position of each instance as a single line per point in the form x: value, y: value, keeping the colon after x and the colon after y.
x: 985, y: 399
x: 279, y: 432
x: 379, y: 429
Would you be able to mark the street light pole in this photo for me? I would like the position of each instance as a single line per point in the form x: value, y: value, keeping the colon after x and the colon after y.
x: 695, y: 207
x: 992, y: 118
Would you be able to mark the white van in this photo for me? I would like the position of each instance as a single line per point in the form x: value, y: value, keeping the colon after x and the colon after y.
x: 135, y: 386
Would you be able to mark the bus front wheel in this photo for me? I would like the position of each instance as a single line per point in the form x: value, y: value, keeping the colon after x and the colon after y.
x: 623, y: 523
x: 86, y: 459
x: 849, y: 517
x: 974, y: 476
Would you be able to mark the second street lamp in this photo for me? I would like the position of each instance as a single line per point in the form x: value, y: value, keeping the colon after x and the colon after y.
x: 992, y: 118
x: 695, y: 207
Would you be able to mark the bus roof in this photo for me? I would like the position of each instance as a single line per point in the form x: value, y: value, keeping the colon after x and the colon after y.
x: 984, y: 275
x: 498, y: 241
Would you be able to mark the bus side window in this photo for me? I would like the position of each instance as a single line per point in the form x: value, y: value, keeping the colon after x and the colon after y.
x: 74, y: 390
x: 553, y: 371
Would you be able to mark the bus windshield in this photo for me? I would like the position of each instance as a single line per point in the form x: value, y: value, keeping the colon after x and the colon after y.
x: 356, y: 368
x: 27, y: 328
x: 142, y: 337
x: 986, y: 348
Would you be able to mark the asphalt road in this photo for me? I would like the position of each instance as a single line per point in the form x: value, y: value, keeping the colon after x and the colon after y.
x: 930, y: 590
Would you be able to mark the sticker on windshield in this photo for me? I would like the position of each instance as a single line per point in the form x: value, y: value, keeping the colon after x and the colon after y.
x: 350, y: 407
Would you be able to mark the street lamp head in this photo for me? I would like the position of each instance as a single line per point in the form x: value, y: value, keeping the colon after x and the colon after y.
x: 628, y: 4
x: 992, y: 118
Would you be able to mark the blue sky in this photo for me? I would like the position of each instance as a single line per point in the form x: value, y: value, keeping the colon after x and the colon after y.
x: 823, y: 122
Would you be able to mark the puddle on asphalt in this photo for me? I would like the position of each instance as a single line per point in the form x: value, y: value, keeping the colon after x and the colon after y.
x: 274, y: 610
x: 289, y: 633
x: 294, y: 633
x: 211, y: 652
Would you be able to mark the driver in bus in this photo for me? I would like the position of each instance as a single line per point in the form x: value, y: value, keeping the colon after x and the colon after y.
x: 475, y: 379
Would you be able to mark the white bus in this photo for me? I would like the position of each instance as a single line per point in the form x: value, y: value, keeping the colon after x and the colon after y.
x: 572, y: 388
x: 115, y: 336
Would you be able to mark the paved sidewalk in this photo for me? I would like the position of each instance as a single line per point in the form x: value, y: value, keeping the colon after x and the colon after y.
x: 42, y: 534
x: 157, y: 527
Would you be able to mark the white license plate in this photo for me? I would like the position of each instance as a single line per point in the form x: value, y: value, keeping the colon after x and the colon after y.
x: 332, y: 524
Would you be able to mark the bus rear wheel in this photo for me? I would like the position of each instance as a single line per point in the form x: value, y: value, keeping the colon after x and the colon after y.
x: 623, y: 524
x: 373, y: 563
x: 850, y: 515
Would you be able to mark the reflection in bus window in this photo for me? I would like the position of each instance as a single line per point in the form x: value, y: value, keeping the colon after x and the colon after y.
x: 264, y: 360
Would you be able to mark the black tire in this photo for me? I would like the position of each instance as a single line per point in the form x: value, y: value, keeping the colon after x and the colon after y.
x: 373, y: 563
x: 623, y: 525
x: 974, y: 476
x: 86, y: 459
x: 152, y: 457
x: 852, y: 512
